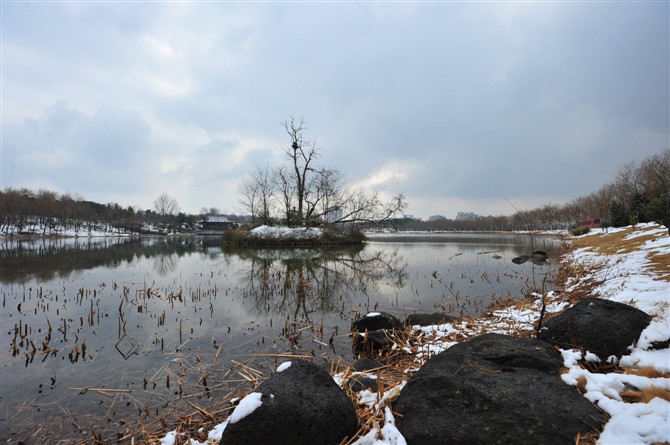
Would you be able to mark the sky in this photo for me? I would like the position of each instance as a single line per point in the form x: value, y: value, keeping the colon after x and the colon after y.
x: 460, y: 106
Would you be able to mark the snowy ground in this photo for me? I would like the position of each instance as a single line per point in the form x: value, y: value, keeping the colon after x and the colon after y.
x: 626, y: 277
x: 295, y: 233
x: 70, y: 232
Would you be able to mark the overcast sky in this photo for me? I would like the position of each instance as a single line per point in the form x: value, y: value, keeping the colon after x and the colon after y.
x: 458, y: 105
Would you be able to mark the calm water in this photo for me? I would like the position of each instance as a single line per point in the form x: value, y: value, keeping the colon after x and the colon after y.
x: 97, y: 332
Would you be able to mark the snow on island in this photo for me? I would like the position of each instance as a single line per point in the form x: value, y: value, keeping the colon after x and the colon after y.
x: 293, y: 233
x: 626, y: 276
x: 282, y: 235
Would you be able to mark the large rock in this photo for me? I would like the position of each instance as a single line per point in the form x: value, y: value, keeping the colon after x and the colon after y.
x: 373, y: 332
x: 359, y: 380
x: 428, y: 319
x: 601, y: 326
x: 374, y: 321
x: 298, y: 404
x: 365, y: 365
x: 494, y: 389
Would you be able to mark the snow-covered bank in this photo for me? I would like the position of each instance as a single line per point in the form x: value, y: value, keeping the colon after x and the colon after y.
x: 83, y: 231
x: 626, y: 270
x: 291, y: 236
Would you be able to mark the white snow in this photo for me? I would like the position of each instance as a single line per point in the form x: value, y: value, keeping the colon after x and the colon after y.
x: 388, y: 434
x: 284, y: 366
x: 283, y: 232
x: 625, y: 278
x: 250, y: 403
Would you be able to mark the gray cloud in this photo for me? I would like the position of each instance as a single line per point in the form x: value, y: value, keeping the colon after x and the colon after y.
x: 458, y: 105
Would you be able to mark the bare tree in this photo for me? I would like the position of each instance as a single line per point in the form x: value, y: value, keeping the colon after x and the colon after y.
x: 301, y: 153
x: 166, y: 206
x: 303, y: 193
x: 359, y: 207
x: 258, y: 194
x: 324, y: 196
x: 655, y: 172
x: 285, y: 188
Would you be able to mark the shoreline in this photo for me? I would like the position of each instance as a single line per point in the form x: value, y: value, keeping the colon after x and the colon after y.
x: 576, y: 280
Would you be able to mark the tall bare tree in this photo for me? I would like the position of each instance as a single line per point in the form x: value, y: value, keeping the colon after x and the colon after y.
x: 258, y: 194
x: 166, y: 206
x: 305, y: 193
x: 301, y: 153
x: 285, y: 189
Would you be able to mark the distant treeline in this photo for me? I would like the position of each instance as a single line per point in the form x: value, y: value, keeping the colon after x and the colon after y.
x: 639, y: 192
x: 46, y: 212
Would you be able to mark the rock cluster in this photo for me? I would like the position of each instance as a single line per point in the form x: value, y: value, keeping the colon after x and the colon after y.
x: 603, y: 327
x: 493, y: 389
x: 300, y: 404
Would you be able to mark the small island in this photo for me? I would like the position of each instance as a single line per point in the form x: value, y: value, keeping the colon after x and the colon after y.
x: 292, y: 236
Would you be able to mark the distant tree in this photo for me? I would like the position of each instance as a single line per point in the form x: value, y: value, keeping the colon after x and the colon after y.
x: 658, y: 209
x: 301, y: 153
x: 166, y: 207
x: 257, y: 192
x: 618, y: 214
x: 304, y: 194
x: 285, y: 190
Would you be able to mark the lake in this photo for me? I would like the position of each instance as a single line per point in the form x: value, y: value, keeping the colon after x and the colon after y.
x: 100, y: 334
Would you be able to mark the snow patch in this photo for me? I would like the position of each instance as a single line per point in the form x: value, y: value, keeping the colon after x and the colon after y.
x: 284, y: 366
x: 247, y: 405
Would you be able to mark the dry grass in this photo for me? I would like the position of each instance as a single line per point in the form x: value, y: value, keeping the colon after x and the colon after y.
x: 645, y: 395
x: 619, y: 243
x: 581, y: 384
x: 649, y: 372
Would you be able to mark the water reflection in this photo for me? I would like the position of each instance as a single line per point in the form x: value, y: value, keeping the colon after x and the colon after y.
x: 153, y: 315
x: 298, y: 283
x: 47, y: 259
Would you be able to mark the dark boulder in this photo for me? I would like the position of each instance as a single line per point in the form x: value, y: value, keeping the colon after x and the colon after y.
x: 428, y: 319
x: 494, y: 389
x: 298, y: 404
x: 359, y: 382
x: 376, y: 320
x: 520, y: 259
x: 366, y: 364
x: 602, y: 327
x: 539, y: 257
x: 373, y: 332
x: 367, y: 342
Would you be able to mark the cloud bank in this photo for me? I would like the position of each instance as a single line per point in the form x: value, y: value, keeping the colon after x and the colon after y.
x: 457, y: 105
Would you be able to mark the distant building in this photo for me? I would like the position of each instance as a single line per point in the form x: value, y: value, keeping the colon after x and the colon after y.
x: 333, y: 214
x: 589, y: 222
x: 437, y: 218
x: 467, y: 216
x: 215, y: 224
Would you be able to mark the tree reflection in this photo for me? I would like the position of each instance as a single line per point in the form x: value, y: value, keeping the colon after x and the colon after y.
x: 300, y: 282
x: 165, y: 264
x: 45, y: 259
